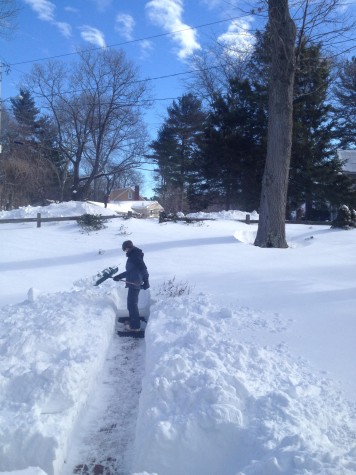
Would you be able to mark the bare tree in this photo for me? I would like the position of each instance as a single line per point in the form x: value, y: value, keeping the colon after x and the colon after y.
x: 8, y: 13
x: 271, y: 228
x: 97, y: 107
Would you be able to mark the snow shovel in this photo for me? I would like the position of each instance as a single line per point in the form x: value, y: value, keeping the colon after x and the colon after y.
x: 106, y: 274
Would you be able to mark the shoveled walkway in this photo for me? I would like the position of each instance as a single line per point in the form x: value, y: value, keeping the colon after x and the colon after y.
x: 104, y: 438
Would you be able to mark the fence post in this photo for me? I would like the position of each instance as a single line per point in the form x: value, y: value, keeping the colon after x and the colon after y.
x: 38, y: 220
x: 248, y: 218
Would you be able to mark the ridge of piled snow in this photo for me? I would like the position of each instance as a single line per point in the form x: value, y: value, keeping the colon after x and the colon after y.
x: 231, y: 214
x: 248, y: 409
x: 52, y: 349
x: 58, y: 210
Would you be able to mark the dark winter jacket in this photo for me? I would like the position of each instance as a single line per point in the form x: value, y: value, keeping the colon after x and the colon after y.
x: 136, y: 270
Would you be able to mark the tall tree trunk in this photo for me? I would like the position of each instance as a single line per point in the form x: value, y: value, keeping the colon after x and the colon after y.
x: 271, y: 227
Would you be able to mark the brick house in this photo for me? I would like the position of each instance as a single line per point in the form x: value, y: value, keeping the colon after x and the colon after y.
x: 126, y: 194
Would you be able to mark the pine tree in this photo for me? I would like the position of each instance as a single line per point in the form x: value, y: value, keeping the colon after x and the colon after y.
x: 26, y: 115
x: 345, y: 93
x: 175, y: 152
x: 312, y: 148
x: 234, y: 146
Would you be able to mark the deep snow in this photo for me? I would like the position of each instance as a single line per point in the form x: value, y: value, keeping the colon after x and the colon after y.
x: 249, y: 371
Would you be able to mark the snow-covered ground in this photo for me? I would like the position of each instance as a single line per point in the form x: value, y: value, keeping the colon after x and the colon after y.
x: 249, y: 371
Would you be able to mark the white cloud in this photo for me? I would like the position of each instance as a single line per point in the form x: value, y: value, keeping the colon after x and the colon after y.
x: 64, y: 28
x: 124, y: 24
x: 45, y: 12
x: 102, y: 4
x: 168, y: 15
x: 146, y: 48
x: 93, y: 35
x: 238, y: 39
x: 43, y: 8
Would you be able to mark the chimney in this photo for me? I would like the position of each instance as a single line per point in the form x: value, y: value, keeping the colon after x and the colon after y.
x: 137, y: 193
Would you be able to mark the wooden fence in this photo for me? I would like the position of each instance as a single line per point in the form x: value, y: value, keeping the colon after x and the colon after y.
x: 39, y: 220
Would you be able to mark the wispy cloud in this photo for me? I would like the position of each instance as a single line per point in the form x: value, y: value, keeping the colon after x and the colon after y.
x: 71, y: 9
x: 168, y: 15
x: 102, y: 4
x: 46, y: 12
x: 238, y: 39
x: 146, y: 48
x: 43, y: 8
x: 64, y: 28
x: 93, y: 36
x: 124, y: 24
x: 213, y: 3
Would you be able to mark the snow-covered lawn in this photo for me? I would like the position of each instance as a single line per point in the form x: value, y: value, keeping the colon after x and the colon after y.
x: 250, y: 371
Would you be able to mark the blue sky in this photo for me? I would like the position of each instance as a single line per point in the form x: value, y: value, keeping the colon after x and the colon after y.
x: 156, y: 35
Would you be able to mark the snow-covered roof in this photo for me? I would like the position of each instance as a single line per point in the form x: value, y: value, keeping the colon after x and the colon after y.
x: 125, y: 206
x: 147, y: 205
x: 349, y: 159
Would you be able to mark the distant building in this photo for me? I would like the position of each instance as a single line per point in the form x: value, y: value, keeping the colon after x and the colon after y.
x: 127, y: 200
x: 126, y: 194
x: 348, y: 157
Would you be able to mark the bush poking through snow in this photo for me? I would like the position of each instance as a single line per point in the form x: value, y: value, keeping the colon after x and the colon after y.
x: 122, y: 231
x: 91, y: 222
x: 171, y: 288
x: 344, y: 218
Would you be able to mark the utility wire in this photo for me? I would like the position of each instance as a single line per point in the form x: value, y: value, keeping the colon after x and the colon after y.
x: 114, y: 45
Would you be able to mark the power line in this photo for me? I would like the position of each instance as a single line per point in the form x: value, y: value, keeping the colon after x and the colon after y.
x: 129, y: 41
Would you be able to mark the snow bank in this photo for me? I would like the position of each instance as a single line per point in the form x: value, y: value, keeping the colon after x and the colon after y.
x: 69, y: 208
x: 229, y: 215
x: 28, y: 471
x: 212, y: 405
x: 52, y: 349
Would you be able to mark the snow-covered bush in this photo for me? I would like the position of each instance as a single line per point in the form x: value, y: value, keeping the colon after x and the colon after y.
x: 343, y: 219
x: 91, y: 222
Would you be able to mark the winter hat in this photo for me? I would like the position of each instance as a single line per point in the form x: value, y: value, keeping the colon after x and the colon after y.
x: 127, y: 245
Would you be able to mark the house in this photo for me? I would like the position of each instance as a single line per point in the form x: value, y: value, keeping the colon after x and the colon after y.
x: 147, y: 209
x: 348, y: 157
x: 127, y: 200
x: 126, y: 194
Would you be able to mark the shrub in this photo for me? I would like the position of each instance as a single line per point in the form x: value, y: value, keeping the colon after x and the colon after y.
x: 353, y: 217
x: 122, y: 231
x: 171, y: 288
x: 343, y: 219
x: 91, y: 222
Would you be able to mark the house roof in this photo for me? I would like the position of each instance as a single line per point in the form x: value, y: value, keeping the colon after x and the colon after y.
x: 150, y: 205
x: 349, y: 160
x: 125, y: 206
x: 120, y: 192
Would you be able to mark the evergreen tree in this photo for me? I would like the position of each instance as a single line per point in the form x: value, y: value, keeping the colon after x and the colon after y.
x: 234, y: 146
x: 34, y: 140
x: 26, y: 115
x: 345, y: 93
x: 175, y: 152
x: 314, y: 179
